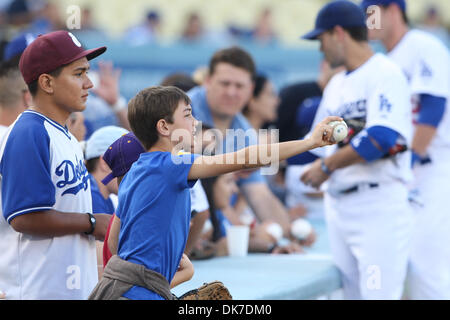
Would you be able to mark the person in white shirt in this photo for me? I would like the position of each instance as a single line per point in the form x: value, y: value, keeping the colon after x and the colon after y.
x: 47, y: 226
x: 365, y: 176
x: 425, y: 60
x: 14, y: 95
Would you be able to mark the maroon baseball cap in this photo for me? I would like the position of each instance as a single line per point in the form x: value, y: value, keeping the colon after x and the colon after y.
x: 51, y: 51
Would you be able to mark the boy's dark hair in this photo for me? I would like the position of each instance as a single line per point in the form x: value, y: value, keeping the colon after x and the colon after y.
x: 151, y: 105
x: 236, y: 57
x: 33, y: 86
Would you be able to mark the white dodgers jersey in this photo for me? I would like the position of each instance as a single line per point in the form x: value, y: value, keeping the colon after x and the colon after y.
x: 426, y: 63
x: 375, y: 94
x: 41, y: 168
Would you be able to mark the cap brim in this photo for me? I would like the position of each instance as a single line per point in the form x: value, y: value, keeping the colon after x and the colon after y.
x: 93, y: 53
x: 108, y: 179
x: 89, y: 54
x: 313, y: 35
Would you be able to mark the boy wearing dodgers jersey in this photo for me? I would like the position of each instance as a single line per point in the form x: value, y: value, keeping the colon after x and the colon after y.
x: 48, y: 230
x: 154, y: 199
x: 426, y: 63
x: 366, y: 199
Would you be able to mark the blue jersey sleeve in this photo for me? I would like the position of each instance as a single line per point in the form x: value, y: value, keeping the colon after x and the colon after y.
x: 179, y: 167
x: 302, y: 158
x: 385, y: 138
x: 431, y: 110
x: 27, y: 185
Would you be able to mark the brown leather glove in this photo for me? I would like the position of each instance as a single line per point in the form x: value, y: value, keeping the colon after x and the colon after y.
x: 208, y: 291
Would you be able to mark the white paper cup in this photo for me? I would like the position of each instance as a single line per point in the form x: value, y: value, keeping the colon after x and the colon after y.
x: 237, y: 240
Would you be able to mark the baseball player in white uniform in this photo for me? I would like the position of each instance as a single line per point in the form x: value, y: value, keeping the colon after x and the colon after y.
x: 426, y: 63
x: 48, y: 231
x: 368, y: 215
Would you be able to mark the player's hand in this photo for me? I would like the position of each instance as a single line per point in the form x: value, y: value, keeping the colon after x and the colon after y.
x: 322, y: 134
x: 101, y: 225
x: 2, y: 295
x: 314, y: 176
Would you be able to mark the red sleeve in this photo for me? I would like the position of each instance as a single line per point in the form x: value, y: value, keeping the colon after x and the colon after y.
x: 106, y: 253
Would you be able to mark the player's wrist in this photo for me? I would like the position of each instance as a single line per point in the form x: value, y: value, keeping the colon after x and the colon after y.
x: 325, y: 167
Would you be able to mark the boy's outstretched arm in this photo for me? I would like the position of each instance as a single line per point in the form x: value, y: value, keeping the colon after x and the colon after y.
x: 260, y: 155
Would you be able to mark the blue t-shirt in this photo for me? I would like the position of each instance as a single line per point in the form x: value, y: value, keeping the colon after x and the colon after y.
x: 202, y: 113
x: 100, y: 204
x: 154, y: 211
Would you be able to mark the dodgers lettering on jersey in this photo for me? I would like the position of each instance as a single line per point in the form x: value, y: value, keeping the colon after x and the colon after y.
x: 426, y: 63
x: 375, y: 94
x: 41, y: 168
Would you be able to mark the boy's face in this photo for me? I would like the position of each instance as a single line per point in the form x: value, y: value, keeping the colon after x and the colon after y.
x: 70, y: 87
x: 182, y: 130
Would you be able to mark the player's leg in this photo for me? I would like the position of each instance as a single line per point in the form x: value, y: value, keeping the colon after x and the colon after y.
x: 429, y: 270
x: 342, y: 256
x: 376, y: 225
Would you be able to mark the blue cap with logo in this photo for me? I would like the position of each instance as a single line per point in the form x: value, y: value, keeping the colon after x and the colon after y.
x: 367, y: 3
x: 337, y: 13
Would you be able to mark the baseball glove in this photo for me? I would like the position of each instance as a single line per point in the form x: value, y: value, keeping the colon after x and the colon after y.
x: 208, y: 291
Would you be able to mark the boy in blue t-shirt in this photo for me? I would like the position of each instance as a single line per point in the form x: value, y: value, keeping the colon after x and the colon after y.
x: 154, y: 199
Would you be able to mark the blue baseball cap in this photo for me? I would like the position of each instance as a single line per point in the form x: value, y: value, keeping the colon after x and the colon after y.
x: 337, y: 13
x: 17, y: 45
x: 367, y: 3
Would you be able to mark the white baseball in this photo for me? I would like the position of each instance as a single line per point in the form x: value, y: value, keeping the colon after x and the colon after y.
x: 301, y: 228
x: 275, y: 230
x: 340, y: 130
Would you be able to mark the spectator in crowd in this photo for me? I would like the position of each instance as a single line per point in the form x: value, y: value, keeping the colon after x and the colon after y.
x: 146, y: 32
x: 106, y: 106
x: 194, y: 32
x: 218, y: 104
x: 432, y: 23
x: 46, y: 17
x: 77, y: 126
x: 14, y: 95
x: 199, y: 203
x: 13, y: 49
x: 180, y: 80
x: 98, y: 169
x: 263, y: 33
x: 52, y: 228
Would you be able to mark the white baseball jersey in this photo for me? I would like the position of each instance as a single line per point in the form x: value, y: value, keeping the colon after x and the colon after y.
x: 426, y: 63
x: 375, y: 94
x: 41, y: 168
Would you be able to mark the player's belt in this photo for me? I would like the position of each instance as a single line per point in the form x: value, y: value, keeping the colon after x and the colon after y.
x: 358, y: 187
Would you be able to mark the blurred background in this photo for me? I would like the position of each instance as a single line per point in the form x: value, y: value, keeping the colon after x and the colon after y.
x: 149, y: 39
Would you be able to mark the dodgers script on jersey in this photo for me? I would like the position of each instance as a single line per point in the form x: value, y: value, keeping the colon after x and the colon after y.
x: 41, y: 168
x: 375, y: 94
x: 426, y: 63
